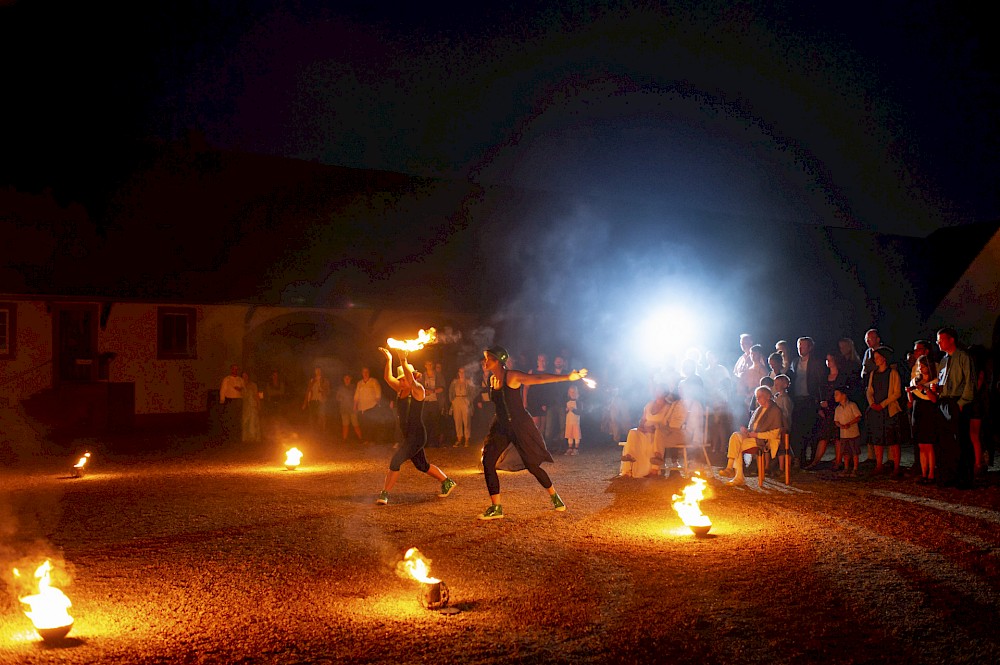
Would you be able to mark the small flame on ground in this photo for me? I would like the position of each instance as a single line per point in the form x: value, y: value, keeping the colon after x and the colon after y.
x: 423, y: 338
x: 293, y: 456
x: 688, y: 503
x: 49, y: 605
x: 82, y: 462
x: 417, y: 566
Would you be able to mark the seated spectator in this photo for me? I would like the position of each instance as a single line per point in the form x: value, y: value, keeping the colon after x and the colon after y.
x: 763, y: 430
x: 639, y: 447
x: 677, y: 431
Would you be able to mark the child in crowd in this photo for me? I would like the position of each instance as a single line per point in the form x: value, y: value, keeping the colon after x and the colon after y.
x: 924, y: 415
x: 846, y: 417
x: 573, y: 421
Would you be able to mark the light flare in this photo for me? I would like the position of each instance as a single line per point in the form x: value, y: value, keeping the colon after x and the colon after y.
x: 424, y: 337
x: 688, y: 506
x: 590, y: 383
x: 48, y: 607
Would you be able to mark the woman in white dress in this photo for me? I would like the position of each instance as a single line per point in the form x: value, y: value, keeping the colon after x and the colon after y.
x: 639, y: 446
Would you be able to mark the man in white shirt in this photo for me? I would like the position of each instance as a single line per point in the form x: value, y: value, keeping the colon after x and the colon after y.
x: 231, y: 399
x: 745, y: 361
x: 367, y: 395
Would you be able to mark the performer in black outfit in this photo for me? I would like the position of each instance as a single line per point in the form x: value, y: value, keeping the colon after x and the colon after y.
x: 512, y: 426
x: 409, y: 402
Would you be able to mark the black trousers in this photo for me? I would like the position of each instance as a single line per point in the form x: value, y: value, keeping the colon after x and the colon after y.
x: 954, y: 456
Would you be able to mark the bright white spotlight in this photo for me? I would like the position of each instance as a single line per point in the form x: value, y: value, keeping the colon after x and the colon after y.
x: 669, y: 331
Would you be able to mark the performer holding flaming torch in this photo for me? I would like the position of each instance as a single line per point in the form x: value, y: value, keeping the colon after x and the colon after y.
x: 409, y: 404
x: 512, y: 425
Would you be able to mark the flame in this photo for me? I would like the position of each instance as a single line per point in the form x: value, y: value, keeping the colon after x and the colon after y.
x: 423, y: 338
x: 83, y: 461
x: 49, y: 605
x: 687, y: 506
x: 590, y: 383
x: 417, y: 566
x: 293, y: 456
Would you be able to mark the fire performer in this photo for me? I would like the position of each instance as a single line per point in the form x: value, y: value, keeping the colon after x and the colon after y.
x: 409, y: 403
x: 512, y: 425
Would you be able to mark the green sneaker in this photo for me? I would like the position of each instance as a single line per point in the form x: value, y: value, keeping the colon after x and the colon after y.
x: 494, y: 512
x: 557, y: 503
x: 383, y: 497
x: 446, y: 487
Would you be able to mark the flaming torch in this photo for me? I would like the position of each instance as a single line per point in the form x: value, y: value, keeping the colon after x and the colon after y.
x: 424, y: 337
x: 48, y: 606
x: 689, y: 508
x: 292, y: 458
x: 433, y: 592
x: 79, y: 466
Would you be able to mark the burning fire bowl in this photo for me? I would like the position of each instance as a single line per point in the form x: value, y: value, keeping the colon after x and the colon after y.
x: 50, y: 635
x: 434, y: 595
x: 700, y: 531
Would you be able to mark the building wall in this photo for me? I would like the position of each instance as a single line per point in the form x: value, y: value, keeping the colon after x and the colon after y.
x: 973, y: 304
x: 223, y: 333
x: 31, y: 370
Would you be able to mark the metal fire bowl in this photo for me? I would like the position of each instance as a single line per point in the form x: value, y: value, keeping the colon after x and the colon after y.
x: 700, y: 531
x: 291, y: 467
x: 49, y: 635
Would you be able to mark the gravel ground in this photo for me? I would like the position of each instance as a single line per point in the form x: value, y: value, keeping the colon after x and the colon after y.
x: 216, y: 555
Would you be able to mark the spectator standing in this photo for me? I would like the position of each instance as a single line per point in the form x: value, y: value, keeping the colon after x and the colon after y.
x: 809, y: 376
x: 846, y: 417
x: 251, y: 410
x: 535, y: 398
x: 881, y: 421
x: 924, y: 415
x: 744, y: 362
x: 826, y: 429
x: 850, y: 361
x: 275, y: 394
x: 434, y: 391
x: 957, y: 391
x: 315, y: 399
x: 555, y: 409
x: 461, y: 393
x: 872, y: 341
x: 572, y: 421
x: 345, y: 406
x: 230, y: 397
x: 367, y: 395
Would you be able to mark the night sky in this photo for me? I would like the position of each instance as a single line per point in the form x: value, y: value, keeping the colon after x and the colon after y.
x: 875, y: 116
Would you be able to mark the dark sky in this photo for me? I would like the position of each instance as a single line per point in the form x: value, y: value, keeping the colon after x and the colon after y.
x: 869, y: 115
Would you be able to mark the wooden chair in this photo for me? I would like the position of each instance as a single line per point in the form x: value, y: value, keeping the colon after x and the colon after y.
x: 695, y: 435
x: 783, y: 446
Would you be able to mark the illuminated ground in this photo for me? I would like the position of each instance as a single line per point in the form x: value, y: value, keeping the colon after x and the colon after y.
x: 205, y: 559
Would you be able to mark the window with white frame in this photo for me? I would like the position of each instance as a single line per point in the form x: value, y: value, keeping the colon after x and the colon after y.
x: 175, y: 333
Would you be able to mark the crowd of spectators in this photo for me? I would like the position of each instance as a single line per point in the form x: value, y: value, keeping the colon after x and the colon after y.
x: 838, y: 408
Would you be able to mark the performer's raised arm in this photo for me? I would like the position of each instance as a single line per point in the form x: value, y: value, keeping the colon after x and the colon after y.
x: 516, y: 379
x: 389, y: 378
